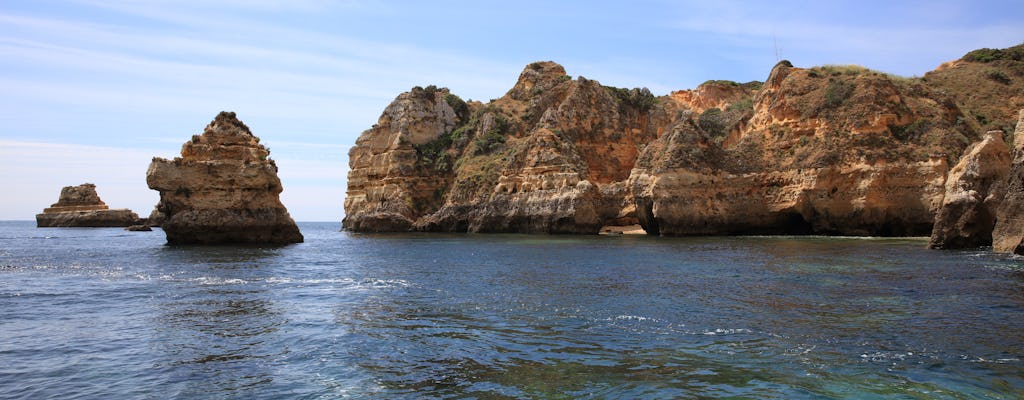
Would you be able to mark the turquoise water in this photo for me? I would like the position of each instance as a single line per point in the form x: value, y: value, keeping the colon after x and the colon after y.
x: 105, y: 313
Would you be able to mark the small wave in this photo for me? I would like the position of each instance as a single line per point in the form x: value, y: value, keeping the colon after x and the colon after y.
x: 215, y: 281
x: 320, y: 281
x: 730, y: 331
x: 630, y: 318
x: 383, y: 283
x: 886, y: 356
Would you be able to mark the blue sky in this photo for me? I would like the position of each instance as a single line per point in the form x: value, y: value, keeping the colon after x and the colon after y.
x: 92, y: 89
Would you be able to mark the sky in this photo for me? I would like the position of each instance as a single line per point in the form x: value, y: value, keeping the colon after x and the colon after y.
x: 92, y: 90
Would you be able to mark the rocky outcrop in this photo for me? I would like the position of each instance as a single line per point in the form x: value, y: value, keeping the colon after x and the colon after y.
x: 550, y: 156
x: 968, y: 212
x: 156, y: 218
x: 825, y: 150
x: 1008, y: 234
x: 223, y: 189
x: 80, y: 206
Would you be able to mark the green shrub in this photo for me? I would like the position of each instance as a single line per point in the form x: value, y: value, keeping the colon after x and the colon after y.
x: 986, y: 55
x: 713, y: 121
x: 457, y: 104
x: 743, y: 104
x: 998, y: 76
x: 721, y: 82
x: 639, y: 98
x: 494, y: 138
x: 433, y: 154
x: 911, y: 131
x: 837, y: 92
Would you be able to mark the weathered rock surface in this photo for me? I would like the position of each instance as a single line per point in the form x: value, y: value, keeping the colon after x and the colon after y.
x: 223, y: 189
x: 825, y: 150
x: 968, y: 212
x: 156, y: 218
x: 80, y: 206
x: 1008, y: 234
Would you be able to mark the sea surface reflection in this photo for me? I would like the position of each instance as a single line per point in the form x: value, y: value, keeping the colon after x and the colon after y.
x: 104, y: 313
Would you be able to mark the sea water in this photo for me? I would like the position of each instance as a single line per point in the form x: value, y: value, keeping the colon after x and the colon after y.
x: 109, y: 314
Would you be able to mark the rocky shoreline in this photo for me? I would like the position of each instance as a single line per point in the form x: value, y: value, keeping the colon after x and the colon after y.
x: 833, y: 150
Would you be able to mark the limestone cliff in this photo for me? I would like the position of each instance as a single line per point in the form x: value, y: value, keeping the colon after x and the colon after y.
x: 80, y: 206
x: 823, y: 150
x: 223, y: 189
x: 1008, y: 234
x: 550, y: 156
x: 968, y: 212
x: 826, y: 150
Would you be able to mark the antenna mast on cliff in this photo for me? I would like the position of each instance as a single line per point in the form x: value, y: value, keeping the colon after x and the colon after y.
x: 776, y: 43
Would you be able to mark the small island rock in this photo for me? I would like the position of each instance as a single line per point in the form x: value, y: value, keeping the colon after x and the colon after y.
x: 80, y: 206
x: 223, y: 189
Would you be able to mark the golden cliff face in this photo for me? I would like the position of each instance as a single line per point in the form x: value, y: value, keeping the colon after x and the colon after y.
x: 223, y: 189
x: 827, y: 150
x: 550, y: 156
x: 972, y: 195
x: 1008, y: 234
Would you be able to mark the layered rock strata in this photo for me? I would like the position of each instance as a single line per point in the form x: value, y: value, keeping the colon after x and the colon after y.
x: 825, y: 150
x: 1008, y: 234
x: 80, y: 206
x: 968, y: 213
x: 223, y: 189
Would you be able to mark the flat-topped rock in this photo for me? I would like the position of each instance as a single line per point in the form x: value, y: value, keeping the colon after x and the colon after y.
x: 80, y: 206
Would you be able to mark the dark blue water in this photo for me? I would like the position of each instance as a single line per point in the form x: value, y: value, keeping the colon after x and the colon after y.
x: 105, y: 313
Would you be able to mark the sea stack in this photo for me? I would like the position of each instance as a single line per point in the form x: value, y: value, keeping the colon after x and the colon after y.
x: 223, y: 189
x: 80, y: 206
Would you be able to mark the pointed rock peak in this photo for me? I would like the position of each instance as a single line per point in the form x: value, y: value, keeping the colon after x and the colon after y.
x: 541, y: 74
x: 226, y: 121
x: 779, y: 72
x: 226, y: 137
x: 543, y: 68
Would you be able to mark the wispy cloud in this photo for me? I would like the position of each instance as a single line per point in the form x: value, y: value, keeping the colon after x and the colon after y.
x: 314, y: 187
x: 898, y: 37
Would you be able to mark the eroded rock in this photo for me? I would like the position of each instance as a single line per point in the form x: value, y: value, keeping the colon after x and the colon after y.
x: 80, y: 206
x: 223, y: 189
x: 968, y: 212
x: 1008, y: 234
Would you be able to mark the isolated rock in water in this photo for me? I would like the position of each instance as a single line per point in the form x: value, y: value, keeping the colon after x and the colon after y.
x: 1008, y: 235
x: 968, y: 212
x: 80, y: 206
x: 223, y: 189
x: 139, y: 228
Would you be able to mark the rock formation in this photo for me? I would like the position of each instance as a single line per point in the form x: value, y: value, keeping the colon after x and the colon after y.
x: 223, y: 189
x: 80, y: 206
x: 1008, y: 234
x: 824, y: 150
x: 968, y: 212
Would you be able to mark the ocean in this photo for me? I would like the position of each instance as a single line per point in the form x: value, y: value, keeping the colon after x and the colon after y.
x: 102, y: 313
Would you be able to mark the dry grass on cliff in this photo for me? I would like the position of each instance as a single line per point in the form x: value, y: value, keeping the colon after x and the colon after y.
x: 986, y: 84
